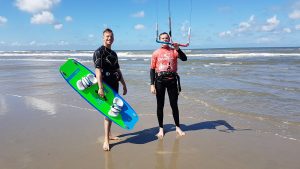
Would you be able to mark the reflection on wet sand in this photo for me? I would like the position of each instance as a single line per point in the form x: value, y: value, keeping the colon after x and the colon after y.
x: 162, y: 155
x: 108, y: 161
x: 160, y: 161
x: 41, y: 105
x: 3, y: 106
x: 166, y: 155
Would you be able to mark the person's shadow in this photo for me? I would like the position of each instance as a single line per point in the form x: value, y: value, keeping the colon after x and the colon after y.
x: 148, y: 135
x: 209, y: 125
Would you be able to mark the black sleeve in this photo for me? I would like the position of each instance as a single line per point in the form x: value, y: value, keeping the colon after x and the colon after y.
x: 97, y: 58
x: 181, y: 55
x: 152, y: 76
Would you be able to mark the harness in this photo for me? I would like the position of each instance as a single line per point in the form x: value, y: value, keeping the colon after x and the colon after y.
x: 113, y: 74
x: 166, y: 76
x: 112, y: 60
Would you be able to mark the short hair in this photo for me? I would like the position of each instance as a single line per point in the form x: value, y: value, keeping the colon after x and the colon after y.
x: 164, y: 33
x: 107, y: 30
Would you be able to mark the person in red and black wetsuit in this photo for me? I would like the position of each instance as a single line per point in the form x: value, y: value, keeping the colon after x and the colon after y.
x: 163, y: 75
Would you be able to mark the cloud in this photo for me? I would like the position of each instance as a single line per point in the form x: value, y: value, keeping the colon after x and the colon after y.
x: 295, y: 14
x: 58, y: 26
x: 225, y: 34
x: 264, y: 40
x: 244, y: 26
x: 287, y: 30
x: 16, y: 44
x: 3, y: 20
x: 32, y: 43
x: 139, y: 14
x: 34, y: 6
x: 297, y: 27
x: 139, y: 27
x: 271, y: 24
x: 41, y: 11
x: 63, y: 43
x: 68, y: 18
x: 224, y: 9
x: 45, y: 17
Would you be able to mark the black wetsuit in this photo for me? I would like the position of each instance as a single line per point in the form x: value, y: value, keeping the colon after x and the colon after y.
x: 107, y: 60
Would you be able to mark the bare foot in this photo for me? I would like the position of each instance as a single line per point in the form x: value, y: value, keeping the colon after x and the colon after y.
x: 106, y: 145
x: 179, y: 131
x: 114, y: 138
x: 160, y: 134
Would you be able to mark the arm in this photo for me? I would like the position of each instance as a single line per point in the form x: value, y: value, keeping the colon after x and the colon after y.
x: 152, y: 72
x: 122, y: 81
x: 152, y: 78
x: 181, y: 55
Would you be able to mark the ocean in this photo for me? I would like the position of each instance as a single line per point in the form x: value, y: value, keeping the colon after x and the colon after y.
x: 256, y: 82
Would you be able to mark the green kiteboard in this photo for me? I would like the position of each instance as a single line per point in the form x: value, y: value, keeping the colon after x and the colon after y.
x: 112, y: 106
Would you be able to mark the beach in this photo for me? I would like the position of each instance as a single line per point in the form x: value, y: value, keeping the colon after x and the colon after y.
x: 238, y: 111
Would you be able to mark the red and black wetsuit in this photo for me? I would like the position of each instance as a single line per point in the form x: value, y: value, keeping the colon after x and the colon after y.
x: 163, y: 74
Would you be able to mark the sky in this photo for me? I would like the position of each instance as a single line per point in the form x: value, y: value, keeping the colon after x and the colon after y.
x: 78, y: 24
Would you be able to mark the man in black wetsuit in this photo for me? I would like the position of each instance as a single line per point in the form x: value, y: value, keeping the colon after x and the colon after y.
x: 107, y: 69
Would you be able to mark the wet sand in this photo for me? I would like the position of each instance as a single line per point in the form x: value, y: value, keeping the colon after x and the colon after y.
x: 45, y: 124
